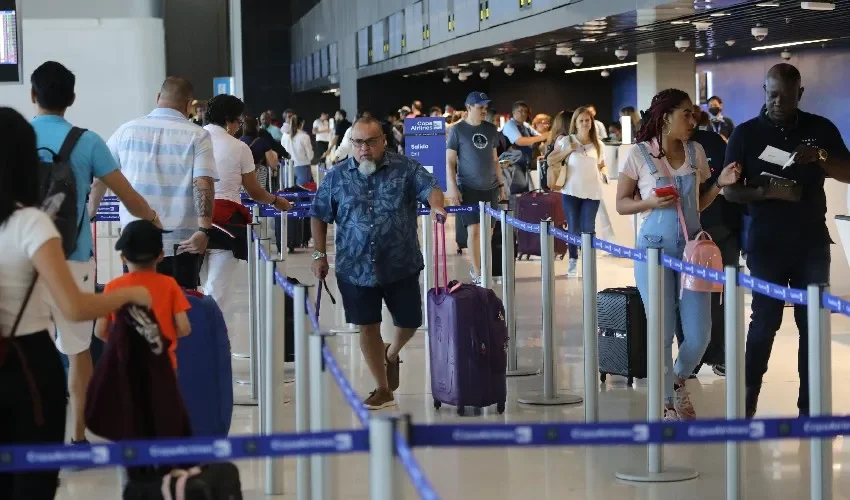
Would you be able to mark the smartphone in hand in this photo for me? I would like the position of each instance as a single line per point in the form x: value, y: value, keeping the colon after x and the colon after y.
x: 664, y: 191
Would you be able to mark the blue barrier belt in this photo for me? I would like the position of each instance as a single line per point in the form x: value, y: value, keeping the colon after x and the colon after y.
x: 618, y: 251
x: 528, y: 227
x: 461, y: 209
x: 783, y: 293
x: 564, y: 236
x: 836, y: 304
x: 628, y: 433
x: 414, y: 471
x: 345, y: 387
x: 180, y: 451
x: 492, y: 212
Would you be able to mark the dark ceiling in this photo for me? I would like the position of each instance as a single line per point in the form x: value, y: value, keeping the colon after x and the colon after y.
x: 654, y: 30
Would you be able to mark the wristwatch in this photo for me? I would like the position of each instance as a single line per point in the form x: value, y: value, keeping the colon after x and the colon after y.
x: 319, y: 255
x: 206, y: 230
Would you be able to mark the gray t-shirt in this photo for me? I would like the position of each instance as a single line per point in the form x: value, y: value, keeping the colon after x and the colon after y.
x: 475, y: 146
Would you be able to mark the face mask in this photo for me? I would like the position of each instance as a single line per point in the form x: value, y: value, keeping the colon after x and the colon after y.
x: 714, y: 110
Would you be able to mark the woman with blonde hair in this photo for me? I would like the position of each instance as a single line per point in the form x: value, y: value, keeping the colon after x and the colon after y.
x: 582, y: 153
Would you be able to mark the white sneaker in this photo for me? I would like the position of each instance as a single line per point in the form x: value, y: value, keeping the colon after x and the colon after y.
x: 572, y: 270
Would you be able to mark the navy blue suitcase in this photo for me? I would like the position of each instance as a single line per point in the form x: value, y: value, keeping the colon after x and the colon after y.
x: 204, y: 369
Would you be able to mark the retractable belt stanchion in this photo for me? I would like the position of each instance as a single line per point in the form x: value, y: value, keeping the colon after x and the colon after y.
x: 508, y: 294
x: 382, y: 477
x: 290, y: 174
x: 253, y: 339
x: 282, y: 173
x: 260, y: 319
x: 820, y: 390
x: 320, y: 417
x: 281, y: 240
x: 550, y: 397
x: 302, y: 388
x: 733, y: 310
x: 655, y: 471
x: 274, y: 352
x: 591, y: 346
x: 428, y: 273
x: 484, y: 243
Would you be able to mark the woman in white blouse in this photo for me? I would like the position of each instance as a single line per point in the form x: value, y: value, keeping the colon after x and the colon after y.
x: 297, y: 144
x: 32, y: 264
x: 582, y: 152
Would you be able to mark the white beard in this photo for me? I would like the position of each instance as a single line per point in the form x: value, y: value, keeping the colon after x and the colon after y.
x: 367, y: 168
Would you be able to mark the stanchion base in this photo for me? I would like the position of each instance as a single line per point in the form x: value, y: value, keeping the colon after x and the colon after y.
x: 348, y: 329
x: 245, y: 402
x: 239, y: 355
x: 523, y: 372
x: 243, y: 382
x: 555, y: 400
x: 668, y: 475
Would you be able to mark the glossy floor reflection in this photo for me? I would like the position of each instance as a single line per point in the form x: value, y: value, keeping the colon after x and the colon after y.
x: 773, y: 470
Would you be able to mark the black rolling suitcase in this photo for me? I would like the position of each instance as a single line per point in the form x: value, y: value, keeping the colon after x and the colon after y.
x: 460, y: 236
x: 622, y: 333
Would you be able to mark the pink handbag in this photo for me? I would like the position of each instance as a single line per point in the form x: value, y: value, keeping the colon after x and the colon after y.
x: 700, y: 251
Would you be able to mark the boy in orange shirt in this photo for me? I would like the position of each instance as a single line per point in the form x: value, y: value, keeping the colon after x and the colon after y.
x: 140, y: 245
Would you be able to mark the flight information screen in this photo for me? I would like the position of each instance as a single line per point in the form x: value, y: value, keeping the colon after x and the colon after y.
x: 10, y: 43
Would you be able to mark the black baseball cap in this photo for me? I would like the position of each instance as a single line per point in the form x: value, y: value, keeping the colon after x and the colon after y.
x: 140, y: 242
x: 477, y: 98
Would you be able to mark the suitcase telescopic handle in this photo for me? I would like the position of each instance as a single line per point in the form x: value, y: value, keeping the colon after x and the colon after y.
x: 441, y: 232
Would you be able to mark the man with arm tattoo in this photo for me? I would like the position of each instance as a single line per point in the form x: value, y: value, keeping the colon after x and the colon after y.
x: 170, y: 160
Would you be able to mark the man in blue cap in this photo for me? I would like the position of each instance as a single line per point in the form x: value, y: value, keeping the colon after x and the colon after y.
x: 473, y: 173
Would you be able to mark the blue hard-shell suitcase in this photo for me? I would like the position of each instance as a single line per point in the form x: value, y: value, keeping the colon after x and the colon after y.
x: 204, y: 369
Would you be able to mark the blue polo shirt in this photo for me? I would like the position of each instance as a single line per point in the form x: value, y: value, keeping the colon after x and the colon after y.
x: 90, y: 159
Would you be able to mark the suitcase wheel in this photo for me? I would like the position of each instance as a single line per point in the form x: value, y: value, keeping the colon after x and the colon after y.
x: 461, y: 411
x: 500, y: 408
x: 602, y: 377
x: 630, y: 381
x: 437, y: 405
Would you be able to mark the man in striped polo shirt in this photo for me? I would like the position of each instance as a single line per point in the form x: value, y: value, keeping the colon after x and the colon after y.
x: 169, y: 160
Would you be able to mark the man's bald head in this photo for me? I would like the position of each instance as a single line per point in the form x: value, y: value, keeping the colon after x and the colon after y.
x: 782, y: 93
x: 176, y: 93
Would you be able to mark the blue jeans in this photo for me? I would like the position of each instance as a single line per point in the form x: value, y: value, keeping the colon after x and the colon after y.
x: 303, y: 174
x: 581, y: 217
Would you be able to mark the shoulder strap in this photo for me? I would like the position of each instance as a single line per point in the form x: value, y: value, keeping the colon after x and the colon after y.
x: 253, y: 142
x: 666, y: 165
x: 70, y: 142
x: 689, y: 150
x: 20, y: 315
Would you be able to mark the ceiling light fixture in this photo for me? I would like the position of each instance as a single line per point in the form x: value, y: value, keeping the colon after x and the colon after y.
x: 682, y: 44
x: 577, y: 60
x: 588, y: 39
x: 785, y: 55
x: 680, y: 21
x: 605, y: 73
x: 702, y: 25
x: 494, y: 61
x: 466, y: 73
x: 599, y: 68
x: 484, y: 73
x: 539, y: 66
x: 509, y: 70
x: 817, y: 5
x: 719, y: 14
x: 454, y: 69
x: 564, y: 51
x: 730, y: 42
x: 462, y: 77
x: 759, y: 32
x: 446, y: 79
x: 790, y: 44
x: 768, y: 4
x: 699, y: 54
x: 622, y: 53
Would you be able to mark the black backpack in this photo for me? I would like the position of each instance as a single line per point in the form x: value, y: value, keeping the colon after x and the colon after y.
x: 58, y: 177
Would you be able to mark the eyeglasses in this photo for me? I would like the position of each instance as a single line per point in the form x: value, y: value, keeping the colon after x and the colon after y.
x: 371, y: 142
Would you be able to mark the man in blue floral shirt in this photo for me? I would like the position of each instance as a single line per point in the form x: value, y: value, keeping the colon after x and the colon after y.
x: 372, y: 197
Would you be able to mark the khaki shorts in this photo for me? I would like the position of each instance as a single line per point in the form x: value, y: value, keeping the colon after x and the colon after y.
x: 73, y: 338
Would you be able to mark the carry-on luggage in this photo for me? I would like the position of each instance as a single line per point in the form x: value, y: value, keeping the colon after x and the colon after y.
x: 461, y: 236
x: 622, y: 333
x: 467, y: 340
x: 533, y: 207
x: 204, y: 370
x: 219, y: 481
x: 298, y: 231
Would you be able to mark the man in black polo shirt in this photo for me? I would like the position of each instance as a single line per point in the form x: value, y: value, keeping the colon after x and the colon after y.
x: 722, y: 221
x: 788, y: 242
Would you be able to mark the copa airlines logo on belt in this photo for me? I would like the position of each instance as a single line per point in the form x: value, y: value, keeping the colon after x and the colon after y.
x: 638, y: 433
x: 753, y: 430
x: 220, y: 448
x: 340, y: 442
x: 97, y: 455
x: 826, y: 426
x: 522, y: 434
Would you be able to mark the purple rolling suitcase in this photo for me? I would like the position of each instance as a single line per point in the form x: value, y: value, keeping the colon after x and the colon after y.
x: 533, y: 207
x: 468, y: 342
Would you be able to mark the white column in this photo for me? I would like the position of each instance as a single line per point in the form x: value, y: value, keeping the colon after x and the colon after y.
x: 236, y: 47
x: 657, y: 71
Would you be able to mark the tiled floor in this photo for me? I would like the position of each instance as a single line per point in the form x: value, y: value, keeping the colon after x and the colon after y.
x: 773, y: 470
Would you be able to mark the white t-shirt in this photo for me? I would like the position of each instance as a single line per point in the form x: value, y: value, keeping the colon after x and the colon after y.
x: 232, y: 159
x: 300, y: 148
x: 636, y: 168
x: 320, y: 124
x: 583, y: 175
x: 23, y: 234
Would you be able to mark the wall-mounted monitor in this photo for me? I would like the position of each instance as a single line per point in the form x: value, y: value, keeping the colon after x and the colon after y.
x: 10, y: 42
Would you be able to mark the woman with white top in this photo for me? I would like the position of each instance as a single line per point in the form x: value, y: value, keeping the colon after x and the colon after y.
x: 582, y: 152
x: 235, y: 164
x: 665, y: 173
x: 32, y: 265
x: 297, y: 144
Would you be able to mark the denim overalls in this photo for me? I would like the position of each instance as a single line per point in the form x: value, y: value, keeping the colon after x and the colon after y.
x: 661, y: 229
